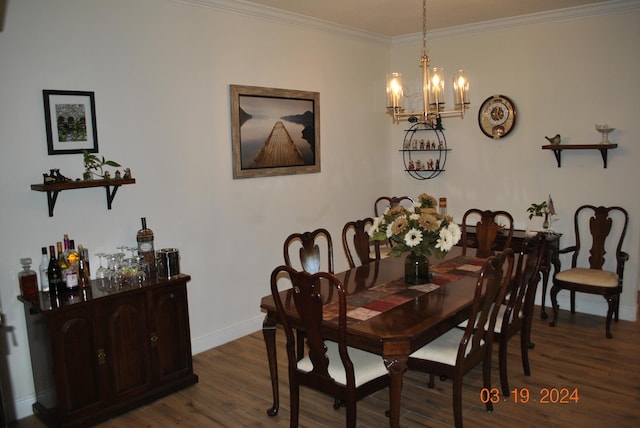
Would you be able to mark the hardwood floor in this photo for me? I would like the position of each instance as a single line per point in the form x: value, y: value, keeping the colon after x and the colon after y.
x: 234, y: 388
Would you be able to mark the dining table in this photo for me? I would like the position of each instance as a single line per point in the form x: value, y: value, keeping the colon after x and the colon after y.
x: 386, y: 316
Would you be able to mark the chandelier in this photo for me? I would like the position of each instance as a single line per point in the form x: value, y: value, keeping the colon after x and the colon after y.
x: 432, y: 89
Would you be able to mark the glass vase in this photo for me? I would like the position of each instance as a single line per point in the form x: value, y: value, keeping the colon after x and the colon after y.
x: 416, y: 269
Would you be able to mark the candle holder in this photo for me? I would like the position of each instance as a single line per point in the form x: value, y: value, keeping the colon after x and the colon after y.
x: 604, y: 130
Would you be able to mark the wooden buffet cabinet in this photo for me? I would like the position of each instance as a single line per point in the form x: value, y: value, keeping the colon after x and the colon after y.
x: 97, y: 353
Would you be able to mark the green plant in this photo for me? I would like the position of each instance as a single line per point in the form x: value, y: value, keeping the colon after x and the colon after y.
x: 93, y: 162
x: 538, y: 210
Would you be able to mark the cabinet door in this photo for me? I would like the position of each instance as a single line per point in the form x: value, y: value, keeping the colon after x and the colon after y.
x: 127, y: 345
x: 170, y: 336
x: 79, y: 361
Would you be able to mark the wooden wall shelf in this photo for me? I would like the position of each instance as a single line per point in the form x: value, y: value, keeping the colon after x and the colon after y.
x: 558, y: 148
x: 53, y: 189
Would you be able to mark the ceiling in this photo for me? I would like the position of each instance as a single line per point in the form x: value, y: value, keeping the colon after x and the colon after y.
x: 401, y: 17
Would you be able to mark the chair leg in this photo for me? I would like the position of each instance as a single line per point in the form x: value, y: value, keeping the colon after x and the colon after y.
x: 457, y: 401
x: 502, y: 363
x: 299, y: 345
x: 573, y: 301
x: 294, y: 392
x: 612, y: 301
x: 486, y: 378
x: 524, y: 350
x: 554, y: 304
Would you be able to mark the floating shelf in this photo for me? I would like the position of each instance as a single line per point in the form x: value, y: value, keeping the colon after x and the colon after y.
x: 558, y: 148
x: 111, y: 186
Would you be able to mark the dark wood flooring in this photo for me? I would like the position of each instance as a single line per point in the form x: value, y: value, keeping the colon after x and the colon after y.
x: 234, y: 388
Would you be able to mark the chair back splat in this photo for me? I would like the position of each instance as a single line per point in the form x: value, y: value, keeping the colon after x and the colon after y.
x: 590, y: 270
x: 384, y: 202
x: 358, y: 249
x: 345, y: 373
x: 487, y: 227
x: 315, y: 251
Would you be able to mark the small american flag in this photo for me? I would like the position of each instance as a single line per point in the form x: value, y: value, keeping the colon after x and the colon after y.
x: 550, y: 206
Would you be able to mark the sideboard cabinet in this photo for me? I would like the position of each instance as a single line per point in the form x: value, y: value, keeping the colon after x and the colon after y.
x: 97, y: 353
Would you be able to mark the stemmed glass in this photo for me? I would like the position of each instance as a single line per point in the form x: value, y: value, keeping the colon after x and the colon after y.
x: 101, y: 272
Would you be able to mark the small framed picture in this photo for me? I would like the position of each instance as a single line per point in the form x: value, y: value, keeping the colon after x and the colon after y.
x: 274, y: 131
x: 70, y: 119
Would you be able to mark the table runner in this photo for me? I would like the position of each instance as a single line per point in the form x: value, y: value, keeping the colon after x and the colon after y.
x: 367, y: 304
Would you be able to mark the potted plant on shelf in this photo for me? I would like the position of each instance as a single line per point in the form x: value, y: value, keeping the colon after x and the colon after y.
x: 93, y: 163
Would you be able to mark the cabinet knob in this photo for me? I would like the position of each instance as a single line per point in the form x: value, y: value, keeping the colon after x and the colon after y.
x: 154, y: 338
x: 102, y: 356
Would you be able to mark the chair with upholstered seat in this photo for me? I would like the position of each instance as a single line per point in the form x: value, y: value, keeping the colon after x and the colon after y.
x: 590, y: 275
x: 487, y: 227
x: 384, y: 202
x: 516, y: 313
x: 332, y: 367
x: 458, y: 351
x: 358, y: 249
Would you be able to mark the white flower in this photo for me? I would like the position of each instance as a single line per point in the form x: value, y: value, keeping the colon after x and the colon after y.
x: 455, y: 231
x: 445, y: 241
x: 413, y: 237
x: 375, y: 226
x: 414, y: 216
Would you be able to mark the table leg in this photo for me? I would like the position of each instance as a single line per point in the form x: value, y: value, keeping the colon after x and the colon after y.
x: 396, y: 365
x: 552, y: 258
x: 269, y: 334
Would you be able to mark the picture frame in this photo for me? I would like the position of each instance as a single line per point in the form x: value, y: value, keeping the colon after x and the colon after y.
x: 263, y: 119
x: 70, y: 120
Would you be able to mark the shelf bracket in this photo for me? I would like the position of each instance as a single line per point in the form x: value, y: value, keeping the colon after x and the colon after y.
x: 111, y: 194
x: 52, y: 197
x: 558, y: 154
x: 603, y: 152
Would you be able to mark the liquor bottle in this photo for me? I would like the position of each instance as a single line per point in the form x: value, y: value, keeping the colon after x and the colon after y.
x: 83, y: 268
x: 66, y: 243
x: 64, y: 266
x: 28, y: 279
x: 44, y: 265
x: 85, y: 253
x: 145, y: 245
x: 71, y: 274
x: 54, y: 273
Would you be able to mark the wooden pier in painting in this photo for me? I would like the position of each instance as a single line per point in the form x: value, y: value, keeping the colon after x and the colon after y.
x: 278, y: 150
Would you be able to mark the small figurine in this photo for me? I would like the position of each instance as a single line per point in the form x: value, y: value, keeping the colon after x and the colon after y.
x: 419, y: 165
x: 430, y: 164
x: 411, y: 166
x: 440, y: 145
x: 118, y: 174
x: 437, y: 164
x: 127, y: 173
x: 555, y: 140
x: 106, y: 175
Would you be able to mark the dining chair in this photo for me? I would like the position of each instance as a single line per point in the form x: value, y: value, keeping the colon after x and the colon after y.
x: 516, y: 313
x: 314, y: 254
x: 606, y: 228
x: 345, y: 373
x: 384, y: 202
x: 358, y: 249
x: 458, y: 351
x: 488, y: 225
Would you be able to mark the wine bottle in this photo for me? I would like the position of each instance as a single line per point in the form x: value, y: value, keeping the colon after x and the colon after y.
x: 44, y: 265
x: 71, y: 274
x: 28, y: 279
x: 54, y: 273
x: 145, y: 245
x: 83, y: 268
x: 64, y: 266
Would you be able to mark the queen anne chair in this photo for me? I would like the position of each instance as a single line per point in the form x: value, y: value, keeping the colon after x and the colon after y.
x: 516, y: 313
x: 458, y: 351
x: 597, y: 223
x: 315, y: 254
x: 487, y: 227
x: 384, y: 202
x: 355, y: 241
x: 332, y: 367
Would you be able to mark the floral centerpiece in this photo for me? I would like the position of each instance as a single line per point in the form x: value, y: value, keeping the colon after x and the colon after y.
x: 419, y: 230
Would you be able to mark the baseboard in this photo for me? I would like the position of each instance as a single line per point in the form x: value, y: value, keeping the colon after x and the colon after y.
x: 589, y: 304
x: 225, y: 335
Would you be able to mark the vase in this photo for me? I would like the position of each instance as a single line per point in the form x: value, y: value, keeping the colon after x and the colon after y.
x: 545, y: 223
x: 416, y: 269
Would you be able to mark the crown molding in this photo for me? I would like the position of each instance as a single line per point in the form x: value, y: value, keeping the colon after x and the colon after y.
x: 570, y: 13
x: 270, y: 14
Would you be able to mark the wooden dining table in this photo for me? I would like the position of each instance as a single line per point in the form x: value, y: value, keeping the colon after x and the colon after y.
x: 387, y: 317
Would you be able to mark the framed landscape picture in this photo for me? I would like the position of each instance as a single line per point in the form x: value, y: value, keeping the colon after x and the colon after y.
x: 274, y: 131
x: 70, y: 118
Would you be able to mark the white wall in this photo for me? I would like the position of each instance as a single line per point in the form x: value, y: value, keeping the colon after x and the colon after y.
x: 564, y: 76
x: 160, y: 70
